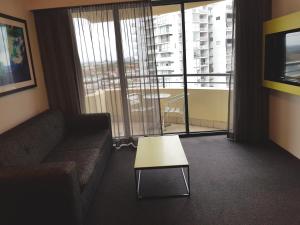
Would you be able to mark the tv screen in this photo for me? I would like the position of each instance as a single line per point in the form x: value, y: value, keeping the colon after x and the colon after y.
x: 275, y: 57
x: 282, y: 57
x: 292, y: 57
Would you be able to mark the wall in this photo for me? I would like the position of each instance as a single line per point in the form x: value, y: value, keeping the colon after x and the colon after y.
x: 285, y: 108
x: 18, y: 107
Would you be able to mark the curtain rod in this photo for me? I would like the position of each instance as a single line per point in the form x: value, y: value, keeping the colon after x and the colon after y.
x: 154, y: 3
x: 103, y: 4
x: 173, y: 2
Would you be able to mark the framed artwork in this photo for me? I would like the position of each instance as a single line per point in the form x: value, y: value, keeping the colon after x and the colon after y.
x: 16, y: 66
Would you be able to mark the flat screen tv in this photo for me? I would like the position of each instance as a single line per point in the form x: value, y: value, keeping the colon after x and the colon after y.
x: 282, y: 57
x: 292, y: 57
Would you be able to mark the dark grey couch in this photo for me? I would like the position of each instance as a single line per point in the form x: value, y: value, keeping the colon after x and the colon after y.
x: 50, y: 167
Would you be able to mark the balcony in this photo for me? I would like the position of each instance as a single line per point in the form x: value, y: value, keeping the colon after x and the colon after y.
x: 229, y: 35
x: 208, y: 102
x: 198, y: 54
x: 198, y: 20
x: 229, y: 27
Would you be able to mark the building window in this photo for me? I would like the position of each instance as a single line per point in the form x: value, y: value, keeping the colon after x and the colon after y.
x: 229, y: 15
x: 198, y: 62
x: 229, y: 41
x: 202, y: 17
x: 218, y: 18
x: 163, y: 55
x: 196, y: 36
x: 165, y: 38
x: 196, y: 17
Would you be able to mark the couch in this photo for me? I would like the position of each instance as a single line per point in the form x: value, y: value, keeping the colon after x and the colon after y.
x: 50, y: 167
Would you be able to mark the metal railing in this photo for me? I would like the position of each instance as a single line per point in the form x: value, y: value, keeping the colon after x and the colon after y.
x: 205, y: 80
x: 209, y: 75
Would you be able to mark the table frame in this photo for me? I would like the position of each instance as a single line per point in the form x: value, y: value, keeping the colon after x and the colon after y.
x: 137, y: 175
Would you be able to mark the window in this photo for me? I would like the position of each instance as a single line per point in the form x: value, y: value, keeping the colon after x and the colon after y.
x: 229, y: 41
x: 229, y: 25
x: 164, y: 38
x: 196, y: 36
x: 162, y: 47
x: 163, y: 29
x: 229, y: 15
x: 163, y: 55
x: 197, y: 53
x: 167, y: 63
x: 197, y: 62
x: 196, y: 17
x: 218, y: 18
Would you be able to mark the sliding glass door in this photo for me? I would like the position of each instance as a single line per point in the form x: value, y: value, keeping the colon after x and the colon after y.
x: 198, y: 62
x: 169, y: 66
x: 116, y: 49
x: 208, y: 46
x: 167, y: 23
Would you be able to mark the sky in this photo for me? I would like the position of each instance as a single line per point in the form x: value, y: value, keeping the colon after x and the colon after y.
x: 293, y: 39
x: 97, y: 42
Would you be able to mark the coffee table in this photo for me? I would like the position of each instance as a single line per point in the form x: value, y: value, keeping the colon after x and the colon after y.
x: 161, y: 152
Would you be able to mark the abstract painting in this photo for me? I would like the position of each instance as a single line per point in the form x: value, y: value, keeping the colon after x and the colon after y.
x: 16, y: 67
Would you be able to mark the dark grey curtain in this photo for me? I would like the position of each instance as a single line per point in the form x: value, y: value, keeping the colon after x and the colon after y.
x: 60, y: 59
x: 249, y: 100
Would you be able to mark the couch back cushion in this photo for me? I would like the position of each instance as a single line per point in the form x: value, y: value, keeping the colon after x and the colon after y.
x: 30, y: 142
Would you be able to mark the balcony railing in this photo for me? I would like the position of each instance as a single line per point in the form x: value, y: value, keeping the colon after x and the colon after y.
x: 203, y: 80
x: 163, y: 81
x: 207, y: 96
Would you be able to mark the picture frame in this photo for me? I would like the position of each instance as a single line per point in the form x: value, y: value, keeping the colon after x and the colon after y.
x: 16, y: 65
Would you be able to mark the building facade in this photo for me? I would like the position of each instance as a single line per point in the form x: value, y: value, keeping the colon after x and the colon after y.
x: 208, y: 44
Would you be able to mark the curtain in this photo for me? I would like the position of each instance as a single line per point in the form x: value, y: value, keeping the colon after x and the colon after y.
x: 248, y: 118
x: 116, y: 48
x: 59, y: 57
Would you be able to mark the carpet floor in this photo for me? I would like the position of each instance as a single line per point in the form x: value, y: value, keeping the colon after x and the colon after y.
x: 232, y: 184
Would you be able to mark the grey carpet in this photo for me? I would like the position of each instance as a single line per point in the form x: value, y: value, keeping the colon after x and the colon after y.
x: 231, y: 184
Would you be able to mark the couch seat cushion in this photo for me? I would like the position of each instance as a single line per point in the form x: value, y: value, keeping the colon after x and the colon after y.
x: 85, y: 162
x: 80, y: 141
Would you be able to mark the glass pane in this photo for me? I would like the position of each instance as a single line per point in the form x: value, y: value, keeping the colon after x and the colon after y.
x: 140, y: 71
x: 208, y: 28
x: 168, y: 50
x: 95, y: 37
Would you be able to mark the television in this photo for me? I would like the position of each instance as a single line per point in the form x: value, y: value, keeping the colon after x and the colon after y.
x: 292, y: 57
x: 282, y: 57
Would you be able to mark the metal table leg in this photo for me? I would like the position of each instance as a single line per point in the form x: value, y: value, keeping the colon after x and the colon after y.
x: 187, y: 183
x: 137, y: 175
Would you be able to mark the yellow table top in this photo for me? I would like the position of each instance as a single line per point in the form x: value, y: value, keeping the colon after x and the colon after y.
x: 163, y: 151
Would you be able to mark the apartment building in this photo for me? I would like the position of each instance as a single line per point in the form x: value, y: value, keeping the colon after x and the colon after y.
x: 208, y: 44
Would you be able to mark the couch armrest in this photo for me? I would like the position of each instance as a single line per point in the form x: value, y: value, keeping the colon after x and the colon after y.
x: 89, y: 122
x: 43, y: 194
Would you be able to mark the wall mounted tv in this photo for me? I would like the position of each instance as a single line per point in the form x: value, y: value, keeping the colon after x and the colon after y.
x: 282, y: 57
